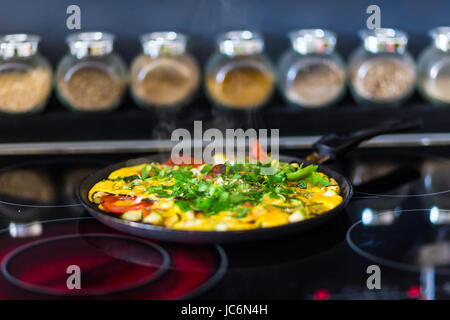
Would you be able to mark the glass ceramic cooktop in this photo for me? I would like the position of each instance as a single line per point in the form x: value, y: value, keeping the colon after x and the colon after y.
x: 398, y: 220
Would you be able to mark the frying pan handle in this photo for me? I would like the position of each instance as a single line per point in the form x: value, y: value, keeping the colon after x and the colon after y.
x: 333, y: 146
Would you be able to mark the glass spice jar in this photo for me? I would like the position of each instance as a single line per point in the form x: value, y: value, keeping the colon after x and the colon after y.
x: 311, y: 74
x: 434, y: 68
x: 239, y: 75
x: 91, y: 77
x: 381, y: 71
x: 25, y: 75
x: 164, y: 75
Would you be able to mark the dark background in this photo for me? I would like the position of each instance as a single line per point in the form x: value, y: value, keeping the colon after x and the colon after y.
x: 203, y: 20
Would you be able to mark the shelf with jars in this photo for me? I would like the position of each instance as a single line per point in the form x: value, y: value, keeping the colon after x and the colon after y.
x: 310, y: 74
x: 165, y: 88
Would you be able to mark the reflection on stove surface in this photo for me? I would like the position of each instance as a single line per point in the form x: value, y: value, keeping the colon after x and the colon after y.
x: 411, y: 242
x: 44, y: 189
x: 27, y: 186
x: 414, y: 241
x: 397, y: 181
x: 44, y: 183
x: 25, y: 230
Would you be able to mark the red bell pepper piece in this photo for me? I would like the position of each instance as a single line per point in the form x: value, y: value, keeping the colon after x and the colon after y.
x: 258, y: 153
x: 109, y: 203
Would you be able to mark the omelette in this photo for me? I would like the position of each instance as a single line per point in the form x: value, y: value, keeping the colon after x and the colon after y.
x: 216, y: 197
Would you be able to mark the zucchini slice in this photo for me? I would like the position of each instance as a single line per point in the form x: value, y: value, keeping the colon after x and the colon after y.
x: 132, y: 215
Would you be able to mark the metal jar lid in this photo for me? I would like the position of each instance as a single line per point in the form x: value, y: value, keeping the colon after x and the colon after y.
x: 168, y: 43
x: 240, y: 42
x: 306, y: 41
x: 90, y: 44
x: 384, y: 40
x: 18, y: 45
x: 441, y: 38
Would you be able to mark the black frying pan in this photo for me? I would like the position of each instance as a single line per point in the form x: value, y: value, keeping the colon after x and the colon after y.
x: 188, y: 236
x: 162, y: 233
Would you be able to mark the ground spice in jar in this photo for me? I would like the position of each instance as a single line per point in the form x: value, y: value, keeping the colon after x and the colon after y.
x: 24, y: 91
x: 164, y: 81
x: 241, y: 87
x: 91, y: 89
x: 437, y: 88
x: 316, y: 85
x: 383, y: 79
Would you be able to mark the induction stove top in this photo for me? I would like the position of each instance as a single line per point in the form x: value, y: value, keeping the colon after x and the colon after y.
x: 398, y: 221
